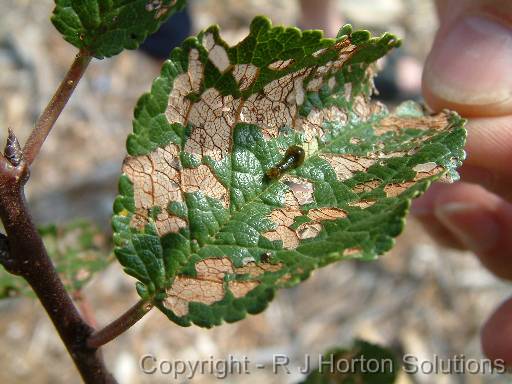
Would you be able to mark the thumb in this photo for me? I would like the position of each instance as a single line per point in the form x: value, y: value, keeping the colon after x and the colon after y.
x: 497, y: 334
x: 468, y: 68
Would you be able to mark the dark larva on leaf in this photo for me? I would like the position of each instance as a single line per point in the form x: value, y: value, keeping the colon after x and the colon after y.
x: 265, y: 257
x: 293, y: 158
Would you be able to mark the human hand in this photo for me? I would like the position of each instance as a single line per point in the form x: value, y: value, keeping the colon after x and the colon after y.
x: 469, y: 69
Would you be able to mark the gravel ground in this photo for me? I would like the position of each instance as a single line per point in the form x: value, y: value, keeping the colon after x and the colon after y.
x: 420, y: 299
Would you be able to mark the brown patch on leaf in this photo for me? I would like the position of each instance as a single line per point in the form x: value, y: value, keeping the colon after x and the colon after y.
x: 345, y: 50
x: 208, y: 286
x: 394, y: 123
x: 158, y: 179
x: 245, y: 74
x: 242, y: 288
x: 156, y: 182
x: 284, y: 218
x: 254, y: 270
x: 184, y: 84
x: 279, y: 65
x: 301, y: 191
x: 219, y: 57
x: 320, y: 52
x: 362, y: 108
x: 321, y: 214
x: 216, y: 53
x: 309, y: 230
x: 395, y: 189
x: 425, y: 170
x: 425, y: 167
x: 313, y: 125
x: 315, y: 84
x: 346, y: 165
x: 212, y: 119
x: 362, y: 203
x: 367, y: 186
x: 202, y: 179
x: 313, y: 228
x: 276, y: 105
x: 351, y: 251
x: 390, y: 155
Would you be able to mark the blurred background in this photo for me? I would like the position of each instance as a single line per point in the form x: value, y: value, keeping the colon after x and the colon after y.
x: 419, y: 299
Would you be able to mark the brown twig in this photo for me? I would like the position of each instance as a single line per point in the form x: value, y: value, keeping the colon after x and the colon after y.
x: 120, y: 325
x: 28, y: 258
x: 52, y: 111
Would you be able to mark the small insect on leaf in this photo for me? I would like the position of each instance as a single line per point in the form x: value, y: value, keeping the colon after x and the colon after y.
x: 293, y: 158
x: 266, y: 257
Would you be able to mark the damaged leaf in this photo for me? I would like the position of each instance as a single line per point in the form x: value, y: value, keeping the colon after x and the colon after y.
x: 251, y: 166
x: 105, y: 28
x: 78, y: 249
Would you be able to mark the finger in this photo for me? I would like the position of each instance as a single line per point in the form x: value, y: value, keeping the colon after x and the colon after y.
x: 496, y: 334
x: 469, y: 65
x: 423, y: 210
x: 468, y: 70
x: 489, y: 154
x: 476, y: 219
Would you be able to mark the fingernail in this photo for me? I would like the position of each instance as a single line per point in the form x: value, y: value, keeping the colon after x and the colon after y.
x: 471, y: 224
x: 470, y: 62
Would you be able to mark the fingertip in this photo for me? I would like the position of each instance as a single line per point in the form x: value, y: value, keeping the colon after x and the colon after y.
x: 481, y: 221
x: 466, y: 216
x: 467, y: 69
x: 496, y: 335
x: 423, y: 209
x: 436, y: 102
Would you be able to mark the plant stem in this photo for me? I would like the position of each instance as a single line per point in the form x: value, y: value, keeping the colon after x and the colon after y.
x: 29, y: 259
x: 120, y: 325
x: 52, y: 111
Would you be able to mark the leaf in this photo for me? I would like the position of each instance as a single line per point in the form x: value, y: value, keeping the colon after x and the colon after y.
x: 78, y: 250
x: 212, y: 216
x: 363, y: 363
x: 12, y: 285
x: 106, y: 27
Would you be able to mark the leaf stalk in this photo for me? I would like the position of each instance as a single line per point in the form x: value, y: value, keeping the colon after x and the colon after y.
x: 47, y: 120
x: 120, y: 325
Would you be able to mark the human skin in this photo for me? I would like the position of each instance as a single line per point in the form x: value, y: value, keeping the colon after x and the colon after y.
x: 469, y: 70
x: 320, y: 14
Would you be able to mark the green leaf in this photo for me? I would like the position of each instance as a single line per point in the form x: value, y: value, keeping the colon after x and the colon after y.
x: 78, y: 249
x: 106, y: 27
x: 212, y: 215
x: 12, y: 286
x: 363, y: 363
